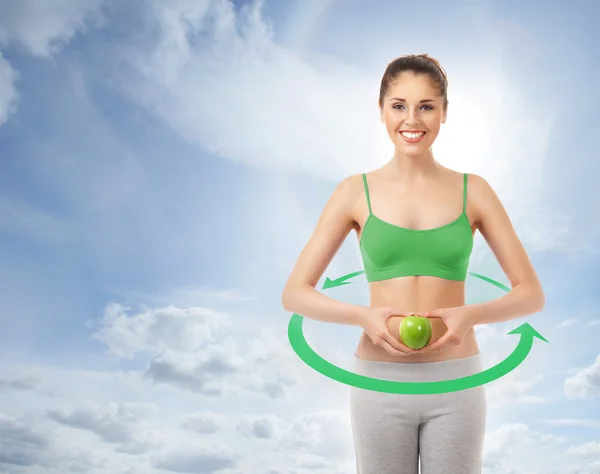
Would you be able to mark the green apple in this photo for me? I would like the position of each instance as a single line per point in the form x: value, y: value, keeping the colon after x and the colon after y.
x: 415, y: 332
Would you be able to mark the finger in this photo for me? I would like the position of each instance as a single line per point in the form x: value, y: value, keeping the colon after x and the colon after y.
x: 436, y: 313
x: 388, y: 347
x: 442, y: 341
x: 396, y: 344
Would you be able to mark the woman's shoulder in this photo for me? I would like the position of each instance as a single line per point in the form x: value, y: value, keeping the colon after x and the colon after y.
x: 347, y: 191
x: 482, y: 197
x: 474, y: 180
x: 478, y: 184
x: 352, y: 184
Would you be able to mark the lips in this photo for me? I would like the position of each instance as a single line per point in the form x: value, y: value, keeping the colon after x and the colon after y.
x: 412, y: 136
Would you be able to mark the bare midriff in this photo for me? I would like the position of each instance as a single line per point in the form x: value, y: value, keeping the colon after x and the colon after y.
x: 418, y: 294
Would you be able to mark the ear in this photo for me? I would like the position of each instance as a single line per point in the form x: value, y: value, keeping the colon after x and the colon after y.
x: 381, y: 118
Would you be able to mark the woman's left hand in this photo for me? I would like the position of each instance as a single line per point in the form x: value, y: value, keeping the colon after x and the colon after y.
x: 458, y: 320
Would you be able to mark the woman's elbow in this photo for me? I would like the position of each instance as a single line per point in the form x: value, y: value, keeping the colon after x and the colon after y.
x: 290, y: 296
x: 287, y: 298
x: 539, y: 297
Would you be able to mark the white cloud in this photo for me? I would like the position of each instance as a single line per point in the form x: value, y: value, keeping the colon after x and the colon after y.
x: 326, y: 434
x: 203, y: 422
x: 275, y: 85
x: 261, y: 426
x: 263, y: 105
x: 27, y: 443
x: 588, y: 450
x: 138, y: 437
x: 585, y: 383
x: 121, y: 445
x: 201, y: 350
x: 580, y: 468
x: 514, y: 387
x: 566, y: 323
x: 314, y: 441
x: 20, y: 382
x: 197, y: 459
x: 498, y: 441
x: 42, y: 28
x: 22, y: 443
x: 587, y: 458
x: 157, y: 330
x: 257, y: 367
x: 518, y: 449
x: 203, y: 372
x: 486, y: 334
x: 112, y: 423
x: 8, y: 89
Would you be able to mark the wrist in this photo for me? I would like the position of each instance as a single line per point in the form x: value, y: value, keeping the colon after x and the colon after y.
x: 474, y: 314
x: 359, y: 315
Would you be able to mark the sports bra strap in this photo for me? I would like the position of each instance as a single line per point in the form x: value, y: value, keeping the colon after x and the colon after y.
x: 367, y: 192
x: 465, y: 193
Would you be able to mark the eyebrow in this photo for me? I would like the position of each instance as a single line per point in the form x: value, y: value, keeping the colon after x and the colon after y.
x: 404, y: 100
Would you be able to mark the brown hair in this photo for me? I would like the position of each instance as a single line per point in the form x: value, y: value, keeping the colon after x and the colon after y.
x: 418, y: 64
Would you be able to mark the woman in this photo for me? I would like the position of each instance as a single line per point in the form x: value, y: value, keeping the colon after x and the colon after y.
x: 415, y: 221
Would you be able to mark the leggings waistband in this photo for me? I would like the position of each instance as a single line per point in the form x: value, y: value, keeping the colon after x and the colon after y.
x: 419, y: 371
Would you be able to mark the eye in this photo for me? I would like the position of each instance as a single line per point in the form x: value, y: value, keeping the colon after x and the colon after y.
x: 397, y: 107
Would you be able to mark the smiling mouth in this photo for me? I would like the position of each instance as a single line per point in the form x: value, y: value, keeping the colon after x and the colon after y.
x: 412, y: 137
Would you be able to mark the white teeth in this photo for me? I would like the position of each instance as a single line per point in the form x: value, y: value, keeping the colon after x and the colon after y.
x: 413, y: 134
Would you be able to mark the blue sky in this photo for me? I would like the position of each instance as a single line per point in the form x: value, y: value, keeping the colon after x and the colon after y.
x: 163, y: 163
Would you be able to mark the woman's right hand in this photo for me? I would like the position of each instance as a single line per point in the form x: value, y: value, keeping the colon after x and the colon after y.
x: 374, y: 321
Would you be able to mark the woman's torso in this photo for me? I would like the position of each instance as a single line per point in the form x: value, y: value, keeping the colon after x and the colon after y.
x: 422, y: 207
x: 417, y: 294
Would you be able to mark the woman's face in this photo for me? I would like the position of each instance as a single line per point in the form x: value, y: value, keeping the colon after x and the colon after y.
x: 414, y: 104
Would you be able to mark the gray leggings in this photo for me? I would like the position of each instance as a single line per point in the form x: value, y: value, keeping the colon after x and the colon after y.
x: 392, y: 432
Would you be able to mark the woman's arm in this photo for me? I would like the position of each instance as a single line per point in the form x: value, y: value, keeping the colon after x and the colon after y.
x: 526, y: 295
x: 334, y: 225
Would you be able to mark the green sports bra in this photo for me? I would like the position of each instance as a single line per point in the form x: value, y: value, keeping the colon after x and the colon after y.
x: 390, y: 251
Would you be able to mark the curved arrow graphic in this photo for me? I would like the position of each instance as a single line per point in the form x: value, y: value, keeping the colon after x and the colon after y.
x: 312, y: 359
x: 341, y: 280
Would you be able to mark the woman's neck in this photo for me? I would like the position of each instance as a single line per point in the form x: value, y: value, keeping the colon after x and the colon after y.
x: 413, y: 168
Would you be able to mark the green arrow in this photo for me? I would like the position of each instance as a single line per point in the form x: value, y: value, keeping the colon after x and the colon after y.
x: 329, y: 283
x: 489, y: 280
x: 310, y: 357
x: 527, y: 330
x: 341, y: 280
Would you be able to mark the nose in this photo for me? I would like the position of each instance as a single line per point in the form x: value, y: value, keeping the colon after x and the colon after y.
x: 411, y: 118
